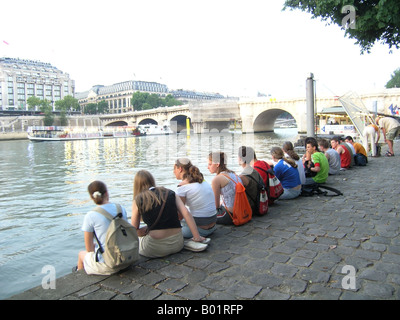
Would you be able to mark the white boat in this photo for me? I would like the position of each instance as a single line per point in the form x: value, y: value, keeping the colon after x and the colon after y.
x: 153, y: 129
x: 57, y: 133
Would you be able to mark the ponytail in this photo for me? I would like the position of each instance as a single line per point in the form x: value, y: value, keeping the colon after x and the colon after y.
x: 190, y: 172
x: 277, y: 153
x: 289, y: 149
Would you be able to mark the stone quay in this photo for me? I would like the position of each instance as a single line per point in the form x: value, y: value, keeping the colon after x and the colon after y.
x: 311, y: 248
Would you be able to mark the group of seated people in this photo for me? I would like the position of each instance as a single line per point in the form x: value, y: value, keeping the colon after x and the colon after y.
x: 193, y: 210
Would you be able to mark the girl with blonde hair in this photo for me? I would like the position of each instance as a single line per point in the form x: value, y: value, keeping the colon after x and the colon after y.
x: 160, y: 208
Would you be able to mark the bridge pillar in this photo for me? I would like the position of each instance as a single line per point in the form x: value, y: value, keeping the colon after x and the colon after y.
x: 198, y: 127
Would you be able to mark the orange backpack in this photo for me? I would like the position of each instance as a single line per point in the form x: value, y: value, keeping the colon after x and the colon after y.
x: 241, y: 207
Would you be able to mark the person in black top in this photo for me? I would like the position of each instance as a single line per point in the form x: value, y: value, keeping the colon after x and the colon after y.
x: 162, y: 235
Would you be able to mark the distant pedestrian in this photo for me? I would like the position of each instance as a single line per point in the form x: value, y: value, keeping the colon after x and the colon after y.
x: 371, y: 134
x: 391, y: 129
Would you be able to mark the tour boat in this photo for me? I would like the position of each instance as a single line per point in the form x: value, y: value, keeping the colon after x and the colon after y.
x: 153, y: 129
x: 57, y: 133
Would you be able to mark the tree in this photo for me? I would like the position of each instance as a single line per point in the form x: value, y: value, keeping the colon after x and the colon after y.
x: 144, y: 101
x: 33, y: 102
x: 68, y: 103
x: 394, y: 82
x: 46, y: 108
x: 138, y: 99
x: 90, y: 108
x: 375, y: 20
x: 170, y: 101
x: 102, y: 107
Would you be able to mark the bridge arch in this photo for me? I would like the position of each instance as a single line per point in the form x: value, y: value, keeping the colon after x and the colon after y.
x: 265, y: 121
x: 118, y: 123
x: 147, y: 121
x: 178, y: 122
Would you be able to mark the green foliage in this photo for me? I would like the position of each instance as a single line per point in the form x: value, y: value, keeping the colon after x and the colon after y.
x: 33, y: 102
x: 145, y: 100
x: 376, y: 20
x: 46, y: 108
x: 90, y: 108
x: 69, y: 103
x: 394, y: 82
x: 96, y: 108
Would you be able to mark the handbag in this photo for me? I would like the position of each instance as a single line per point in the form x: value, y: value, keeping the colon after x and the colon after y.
x: 307, y: 169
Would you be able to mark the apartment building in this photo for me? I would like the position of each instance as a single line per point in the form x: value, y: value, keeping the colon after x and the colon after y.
x: 21, y: 79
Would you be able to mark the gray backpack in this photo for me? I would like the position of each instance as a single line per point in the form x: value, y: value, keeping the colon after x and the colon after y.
x: 121, y: 243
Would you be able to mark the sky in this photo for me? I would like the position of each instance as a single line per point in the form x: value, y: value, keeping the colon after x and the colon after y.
x: 236, y: 48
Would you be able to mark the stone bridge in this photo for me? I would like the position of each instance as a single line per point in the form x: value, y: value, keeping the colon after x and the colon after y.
x: 251, y: 115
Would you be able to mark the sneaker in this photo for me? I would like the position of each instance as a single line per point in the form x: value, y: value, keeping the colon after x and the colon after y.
x: 194, y: 246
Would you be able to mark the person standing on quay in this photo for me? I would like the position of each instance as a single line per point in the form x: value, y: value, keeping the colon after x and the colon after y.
x: 391, y: 129
x: 371, y: 133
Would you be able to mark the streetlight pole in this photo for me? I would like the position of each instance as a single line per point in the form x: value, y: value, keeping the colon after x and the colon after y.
x: 310, y: 105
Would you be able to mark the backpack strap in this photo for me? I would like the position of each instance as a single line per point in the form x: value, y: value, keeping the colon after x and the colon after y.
x: 107, y: 215
x: 228, y: 177
x: 336, y: 191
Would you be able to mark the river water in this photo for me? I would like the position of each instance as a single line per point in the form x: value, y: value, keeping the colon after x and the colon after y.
x: 43, y: 191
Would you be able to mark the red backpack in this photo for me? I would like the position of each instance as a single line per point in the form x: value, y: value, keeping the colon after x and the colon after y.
x: 272, y: 183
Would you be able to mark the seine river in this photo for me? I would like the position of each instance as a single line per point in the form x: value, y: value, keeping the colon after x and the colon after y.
x: 43, y: 191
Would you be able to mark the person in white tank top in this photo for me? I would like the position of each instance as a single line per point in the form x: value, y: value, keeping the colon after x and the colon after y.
x: 222, y: 185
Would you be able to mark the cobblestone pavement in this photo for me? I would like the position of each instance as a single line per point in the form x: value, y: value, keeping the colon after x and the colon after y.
x: 298, y: 251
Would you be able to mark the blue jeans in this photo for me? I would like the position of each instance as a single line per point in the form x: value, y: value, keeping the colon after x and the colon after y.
x: 203, y: 233
x: 290, y: 194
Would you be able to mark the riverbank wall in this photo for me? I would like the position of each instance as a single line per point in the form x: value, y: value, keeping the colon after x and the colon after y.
x: 5, y: 136
x: 320, y: 247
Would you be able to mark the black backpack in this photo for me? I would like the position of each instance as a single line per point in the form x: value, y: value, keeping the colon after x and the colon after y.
x: 317, y: 189
x: 261, y: 200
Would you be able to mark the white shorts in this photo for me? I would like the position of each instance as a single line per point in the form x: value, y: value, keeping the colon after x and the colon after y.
x: 98, y: 268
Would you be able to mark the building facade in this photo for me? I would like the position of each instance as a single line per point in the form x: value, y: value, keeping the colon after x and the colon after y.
x: 119, y: 95
x: 189, y: 95
x: 21, y: 79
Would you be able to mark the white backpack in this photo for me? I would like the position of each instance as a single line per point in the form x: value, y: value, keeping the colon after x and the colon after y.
x: 121, y: 243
